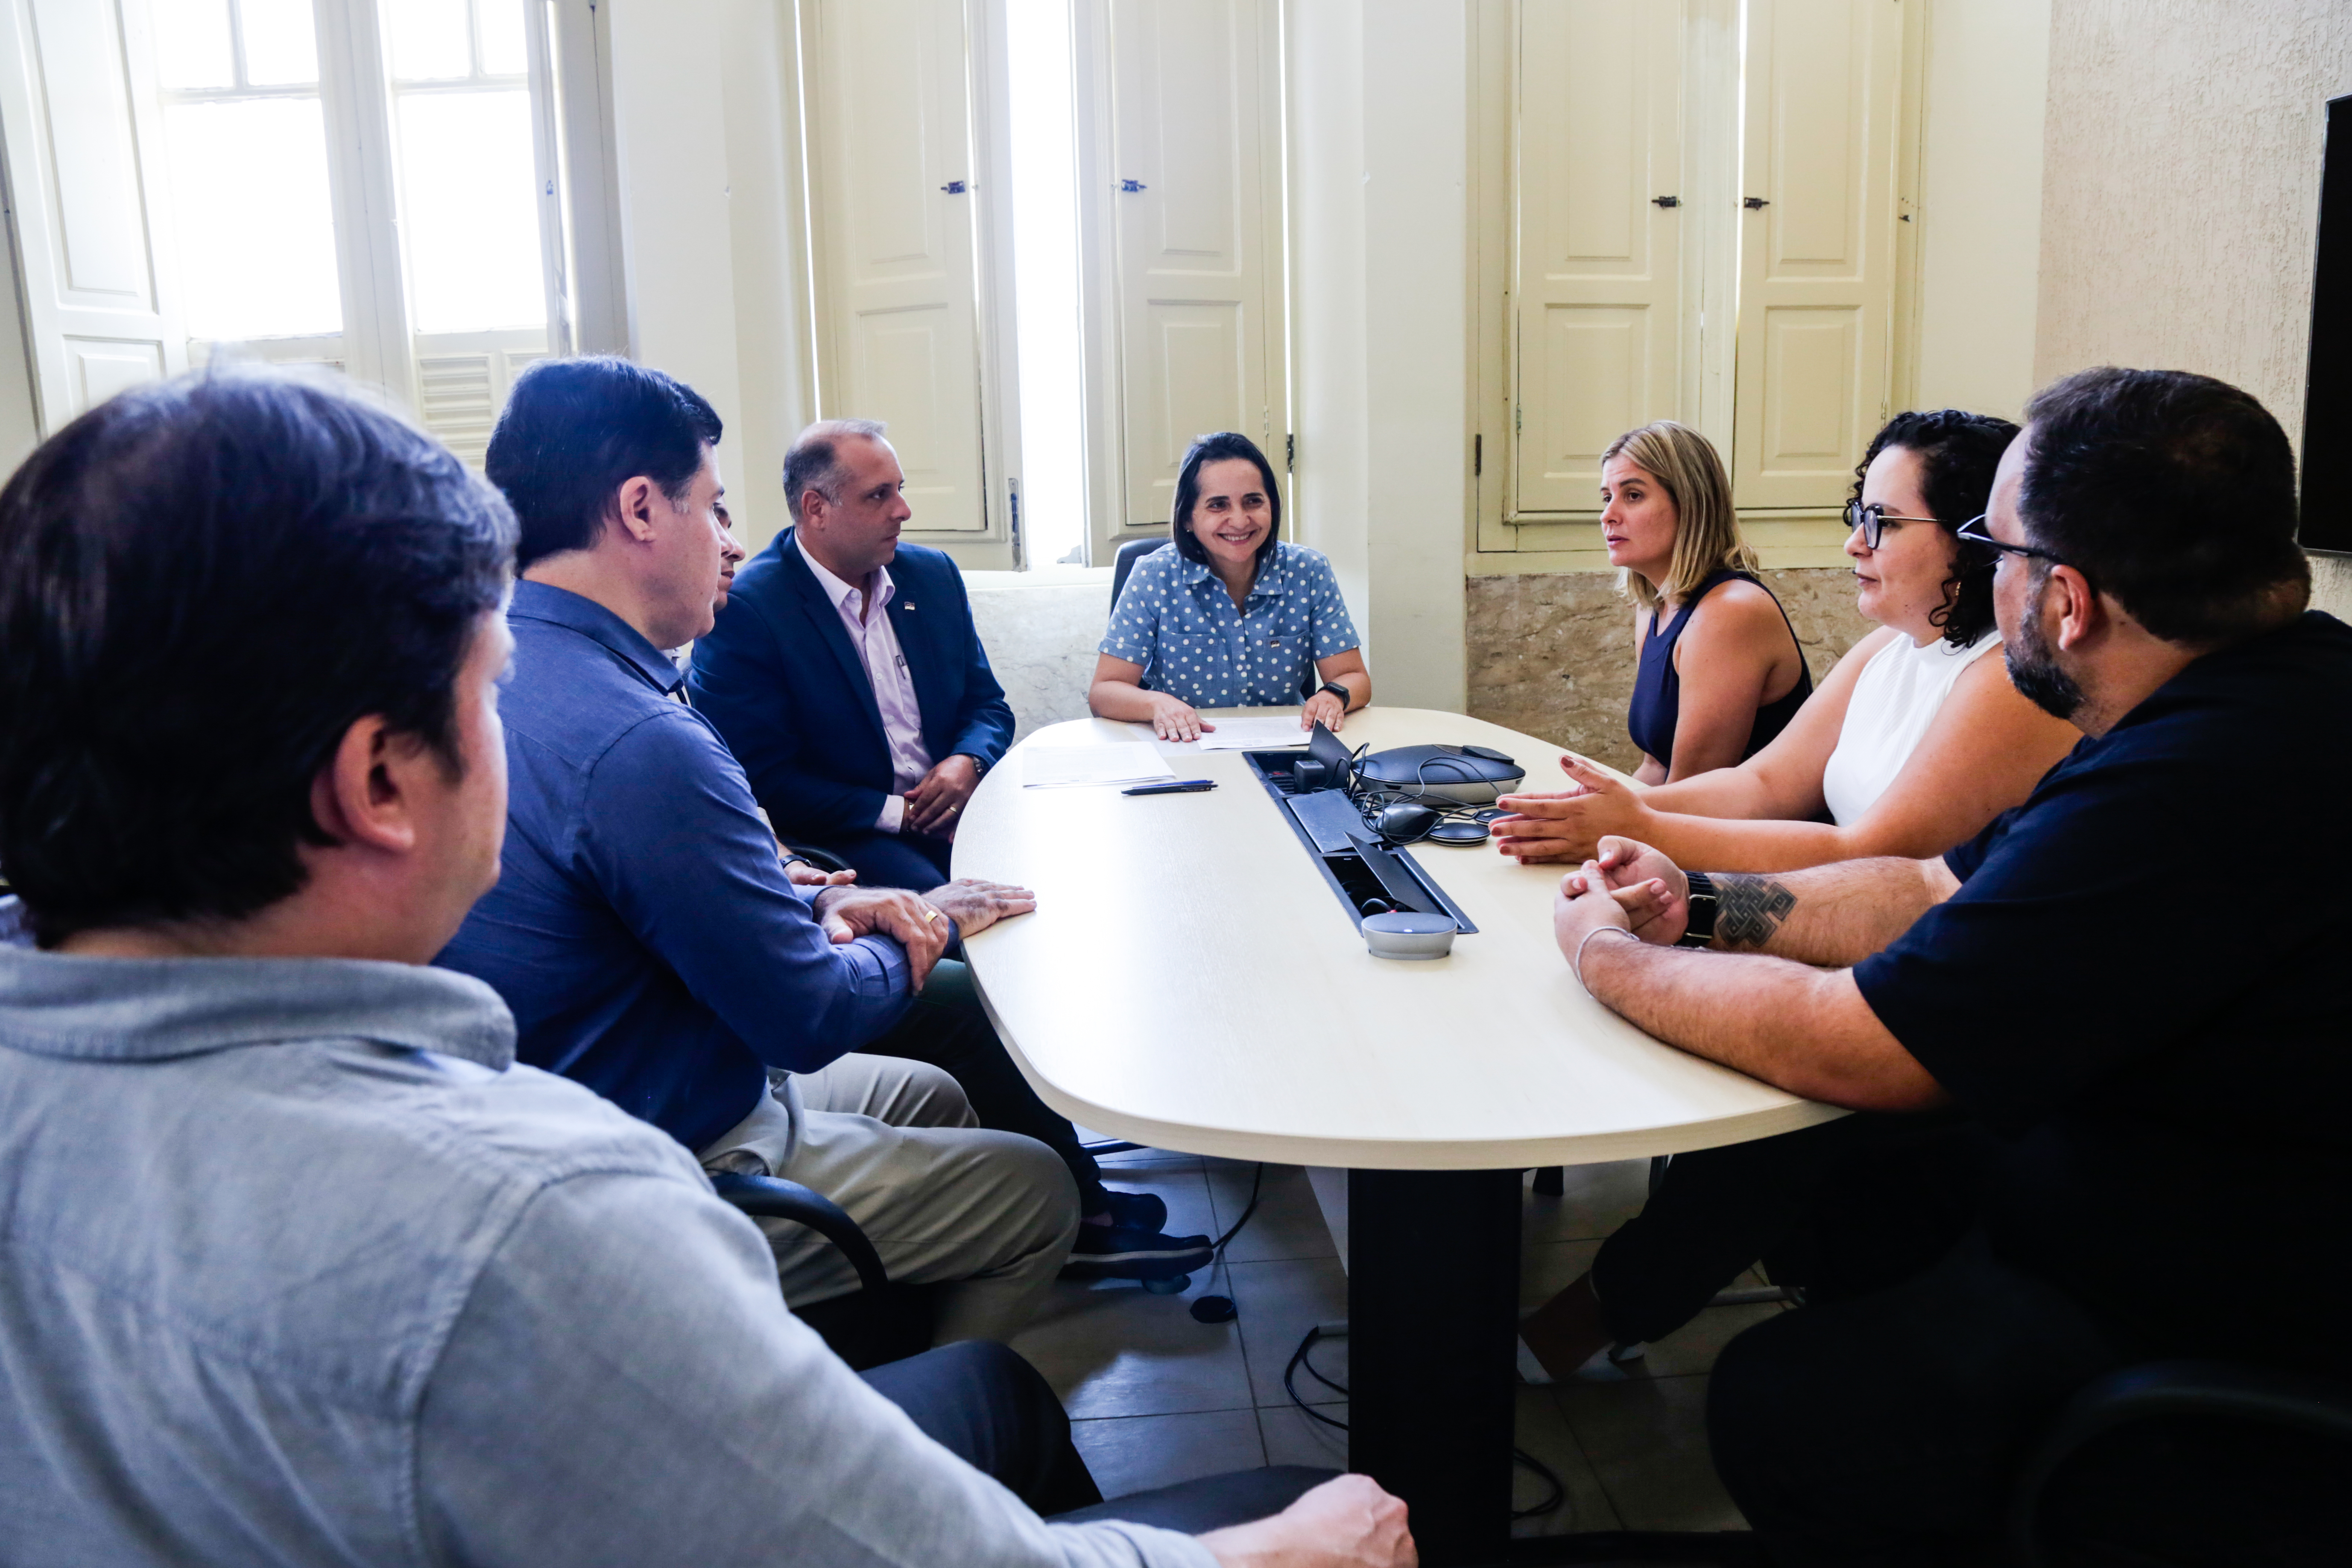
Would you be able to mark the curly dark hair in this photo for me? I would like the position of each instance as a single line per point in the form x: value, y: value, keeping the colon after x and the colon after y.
x: 1957, y: 453
x: 203, y: 583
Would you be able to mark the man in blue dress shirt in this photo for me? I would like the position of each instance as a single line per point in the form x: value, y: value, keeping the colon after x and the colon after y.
x: 653, y: 946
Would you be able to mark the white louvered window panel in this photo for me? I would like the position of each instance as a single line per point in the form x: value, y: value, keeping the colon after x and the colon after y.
x: 458, y: 395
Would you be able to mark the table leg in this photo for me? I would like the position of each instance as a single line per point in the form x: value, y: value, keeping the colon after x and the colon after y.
x: 1432, y: 1298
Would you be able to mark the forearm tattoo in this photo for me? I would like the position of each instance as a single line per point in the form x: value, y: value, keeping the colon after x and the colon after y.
x: 1748, y: 910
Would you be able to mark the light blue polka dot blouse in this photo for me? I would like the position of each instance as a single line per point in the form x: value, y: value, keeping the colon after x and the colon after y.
x: 1176, y: 620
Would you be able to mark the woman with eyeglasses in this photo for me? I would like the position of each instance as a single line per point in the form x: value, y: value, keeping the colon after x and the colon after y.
x: 1719, y: 670
x: 1914, y: 741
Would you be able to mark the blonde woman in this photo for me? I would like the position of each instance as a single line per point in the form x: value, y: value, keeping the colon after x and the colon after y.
x: 1720, y: 672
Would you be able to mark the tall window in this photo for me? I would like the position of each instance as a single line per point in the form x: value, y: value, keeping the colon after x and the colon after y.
x: 461, y: 134
x: 246, y: 150
x: 461, y: 120
x: 354, y: 182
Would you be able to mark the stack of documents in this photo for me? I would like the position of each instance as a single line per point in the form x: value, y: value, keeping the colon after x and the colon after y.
x: 1254, y: 734
x: 1128, y: 762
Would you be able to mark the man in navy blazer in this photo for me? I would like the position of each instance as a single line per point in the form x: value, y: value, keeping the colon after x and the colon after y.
x: 846, y: 673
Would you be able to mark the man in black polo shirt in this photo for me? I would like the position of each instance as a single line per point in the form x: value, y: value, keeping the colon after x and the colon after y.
x: 2126, y: 980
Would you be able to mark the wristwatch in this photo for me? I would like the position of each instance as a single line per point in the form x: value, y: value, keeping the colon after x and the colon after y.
x: 1339, y: 691
x: 979, y: 764
x: 1701, y: 930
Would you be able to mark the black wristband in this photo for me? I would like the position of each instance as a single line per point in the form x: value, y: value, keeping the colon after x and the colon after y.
x: 1701, y: 929
x: 1338, y: 691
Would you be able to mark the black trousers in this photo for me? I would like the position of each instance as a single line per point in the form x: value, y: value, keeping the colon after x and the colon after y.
x: 1905, y: 1183
x: 881, y: 859
x: 1889, y: 1427
x: 988, y: 1408
x: 946, y: 1026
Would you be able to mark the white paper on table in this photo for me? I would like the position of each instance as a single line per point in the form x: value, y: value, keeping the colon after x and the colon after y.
x: 1254, y: 734
x: 1126, y: 762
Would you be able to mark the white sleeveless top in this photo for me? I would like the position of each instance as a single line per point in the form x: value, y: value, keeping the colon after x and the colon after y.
x: 1893, y: 702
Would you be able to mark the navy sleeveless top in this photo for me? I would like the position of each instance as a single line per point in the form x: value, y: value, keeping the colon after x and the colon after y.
x: 1658, y: 689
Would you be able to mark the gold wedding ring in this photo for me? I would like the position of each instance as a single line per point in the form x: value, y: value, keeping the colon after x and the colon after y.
x: 929, y: 915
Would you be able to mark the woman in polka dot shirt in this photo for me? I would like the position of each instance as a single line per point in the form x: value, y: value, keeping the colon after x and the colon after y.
x: 1232, y: 617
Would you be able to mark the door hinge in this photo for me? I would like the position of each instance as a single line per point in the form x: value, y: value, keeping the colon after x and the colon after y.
x: 1754, y: 203
x: 1477, y: 455
x: 1290, y: 453
x: 1517, y: 415
x: 1013, y: 519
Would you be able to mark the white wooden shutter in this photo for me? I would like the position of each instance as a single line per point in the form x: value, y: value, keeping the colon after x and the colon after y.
x: 1598, y: 292
x: 82, y: 168
x: 896, y: 187
x: 1193, y: 122
x: 1817, y: 261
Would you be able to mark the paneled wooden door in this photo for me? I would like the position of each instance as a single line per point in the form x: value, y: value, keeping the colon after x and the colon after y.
x: 1817, y: 258
x: 82, y: 150
x: 1599, y: 329
x: 896, y: 174
x: 1186, y: 175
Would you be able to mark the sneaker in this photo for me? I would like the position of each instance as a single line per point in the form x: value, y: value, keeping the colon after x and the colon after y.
x: 1135, y: 1211
x: 1127, y: 1252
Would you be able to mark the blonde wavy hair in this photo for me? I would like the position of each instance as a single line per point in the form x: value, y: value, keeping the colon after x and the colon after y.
x: 1686, y: 465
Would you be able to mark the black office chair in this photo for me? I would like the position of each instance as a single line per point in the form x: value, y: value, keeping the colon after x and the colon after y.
x: 2191, y: 1463
x: 879, y: 1322
x: 822, y: 860
x: 1133, y: 550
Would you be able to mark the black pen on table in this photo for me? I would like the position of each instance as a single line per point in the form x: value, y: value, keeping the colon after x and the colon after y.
x: 1181, y: 786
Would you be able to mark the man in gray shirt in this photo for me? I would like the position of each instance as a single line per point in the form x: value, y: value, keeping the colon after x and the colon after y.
x: 297, y: 1264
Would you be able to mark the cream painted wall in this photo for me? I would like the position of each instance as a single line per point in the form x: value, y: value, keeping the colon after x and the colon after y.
x: 1980, y: 203
x: 775, y: 369
x: 1379, y: 119
x: 20, y: 427
x: 705, y: 123
x: 2181, y: 186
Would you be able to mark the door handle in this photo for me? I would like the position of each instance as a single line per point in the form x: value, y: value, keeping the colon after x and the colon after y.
x: 1131, y: 186
x: 955, y: 188
x: 1754, y: 203
x: 1665, y: 201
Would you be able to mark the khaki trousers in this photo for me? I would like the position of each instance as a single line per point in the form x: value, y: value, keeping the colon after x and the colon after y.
x: 988, y: 1215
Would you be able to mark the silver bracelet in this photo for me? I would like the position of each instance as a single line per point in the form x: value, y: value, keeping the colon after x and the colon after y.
x: 1576, y: 966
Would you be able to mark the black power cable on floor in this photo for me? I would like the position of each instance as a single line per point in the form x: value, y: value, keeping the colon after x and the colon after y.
x: 1220, y: 1308
x: 1298, y: 1358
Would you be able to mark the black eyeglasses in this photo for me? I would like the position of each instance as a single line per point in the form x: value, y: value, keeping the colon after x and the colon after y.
x: 1975, y: 532
x: 1873, y: 519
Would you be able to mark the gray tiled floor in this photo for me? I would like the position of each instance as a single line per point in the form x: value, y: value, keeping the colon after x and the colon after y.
x: 1156, y: 1397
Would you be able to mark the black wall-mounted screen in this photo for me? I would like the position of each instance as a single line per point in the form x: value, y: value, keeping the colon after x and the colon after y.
x: 2328, y: 398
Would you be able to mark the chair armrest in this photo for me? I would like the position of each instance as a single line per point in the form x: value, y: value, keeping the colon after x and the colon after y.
x: 2221, y: 1390
x: 822, y: 860
x: 773, y: 1198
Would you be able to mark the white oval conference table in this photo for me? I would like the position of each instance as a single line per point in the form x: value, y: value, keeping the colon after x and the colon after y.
x: 1190, y: 981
